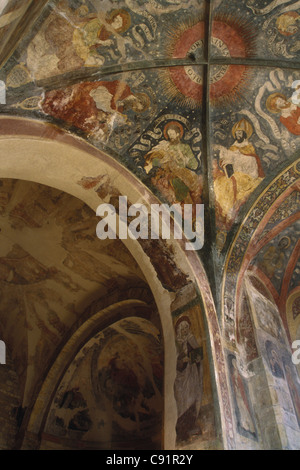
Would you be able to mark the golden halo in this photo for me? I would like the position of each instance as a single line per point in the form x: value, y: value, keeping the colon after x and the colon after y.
x: 125, y: 16
x: 287, y: 239
x: 175, y: 124
x: 271, y: 102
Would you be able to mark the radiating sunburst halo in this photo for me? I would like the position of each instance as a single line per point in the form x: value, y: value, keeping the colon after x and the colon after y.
x: 231, y: 38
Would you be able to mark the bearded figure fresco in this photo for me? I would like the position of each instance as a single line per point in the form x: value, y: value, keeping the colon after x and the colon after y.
x: 175, y: 166
x: 188, y: 385
x: 239, y: 173
x: 150, y: 342
x: 288, y: 111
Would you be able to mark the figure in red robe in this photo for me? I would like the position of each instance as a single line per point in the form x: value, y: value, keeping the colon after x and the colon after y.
x: 93, y: 106
x: 289, y: 112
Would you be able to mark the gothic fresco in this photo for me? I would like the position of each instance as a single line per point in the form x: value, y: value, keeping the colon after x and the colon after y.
x: 254, y: 134
x: 11, y: 12
x: 38, y: 291
x: 253, y: 111
x: 87, y: 34
x: 242, y: 403
x: 279, y: 364
x: 112, y: 393
x: 270, y: 28
x: 192, y: 387
x: 200, y: 101
x: 167, y: 155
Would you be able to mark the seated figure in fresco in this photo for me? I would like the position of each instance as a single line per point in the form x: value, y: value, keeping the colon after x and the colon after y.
x: 94, y: 107
x: 239, y: 173
x: 278, y: 103
x: 176, y: 164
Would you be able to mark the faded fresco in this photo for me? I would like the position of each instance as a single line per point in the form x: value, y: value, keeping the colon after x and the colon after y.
x: 192, y: 387
x: 270, y: 28
x: 48, y: 287
x: 260, y: 131
x: 242, y: 403
x: 112, y: 33
x: 111, y: 396
x: 151, y: 118
x: 200, y: 101
x: 11, y: 12
x: 167, y: 155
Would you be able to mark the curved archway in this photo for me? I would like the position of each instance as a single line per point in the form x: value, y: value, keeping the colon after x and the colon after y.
x: 257, y: 283
x: 87, y: 338
x: 40, y: 152
x: 252, y: 236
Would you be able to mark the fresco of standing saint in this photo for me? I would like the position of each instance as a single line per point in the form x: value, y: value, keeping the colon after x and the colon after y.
x: 188, y: 386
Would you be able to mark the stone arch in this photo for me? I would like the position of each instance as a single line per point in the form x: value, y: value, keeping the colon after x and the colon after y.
x: 124, y: 388
x: 250, y: 239
x: 96, y: 323
x: 39, y: 152
x: 254, y: 305
x: 293, y: 317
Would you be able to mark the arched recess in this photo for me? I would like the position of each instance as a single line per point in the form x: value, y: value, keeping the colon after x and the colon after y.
x: 108, y: 326
x: 293, y: 317
x: 254, y: 234
x: 39, y: 152
x: 254, y: 301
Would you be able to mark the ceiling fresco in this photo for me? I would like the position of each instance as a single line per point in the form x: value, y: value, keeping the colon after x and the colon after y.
x: 260, y: 108
x: 112, y: 392
x: 48, y: 286
x: 11, y: 14
x: 127, y: 75
x: 200, y: 101
x: 261, y: 29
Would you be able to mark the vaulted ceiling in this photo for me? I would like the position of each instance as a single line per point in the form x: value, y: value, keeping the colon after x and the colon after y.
x: 119, y: 75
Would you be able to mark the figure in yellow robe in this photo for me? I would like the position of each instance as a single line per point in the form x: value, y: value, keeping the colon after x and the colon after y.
x: 241, y: 173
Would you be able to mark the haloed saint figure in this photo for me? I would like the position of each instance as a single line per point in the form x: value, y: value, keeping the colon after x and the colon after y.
x: 238, y: 173
x: 243, y: 406
x: 175, y: 167
x: 188, y: 385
